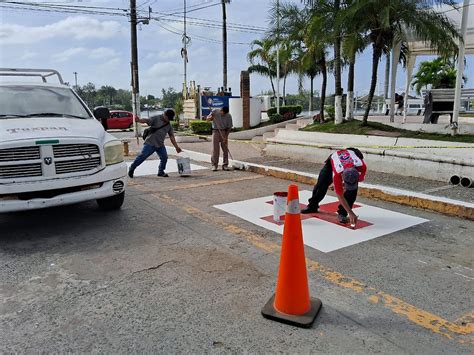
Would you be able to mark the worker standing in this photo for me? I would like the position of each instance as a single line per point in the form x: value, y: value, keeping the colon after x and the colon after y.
x: 346, y: 168
x: 221, y: 128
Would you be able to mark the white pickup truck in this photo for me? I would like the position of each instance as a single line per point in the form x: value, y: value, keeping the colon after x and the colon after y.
x: 53, y: 151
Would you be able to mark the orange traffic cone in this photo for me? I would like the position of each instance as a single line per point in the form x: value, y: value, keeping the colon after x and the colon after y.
x: 291, y: 303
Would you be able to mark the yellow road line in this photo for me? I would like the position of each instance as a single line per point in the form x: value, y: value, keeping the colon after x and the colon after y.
x: 199, y: 184
x: 420, y: 317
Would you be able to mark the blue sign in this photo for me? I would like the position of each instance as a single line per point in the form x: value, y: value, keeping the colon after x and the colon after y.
x: 209, y: 103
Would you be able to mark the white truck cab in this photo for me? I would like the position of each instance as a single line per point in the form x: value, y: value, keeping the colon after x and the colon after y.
x: 53, y: 151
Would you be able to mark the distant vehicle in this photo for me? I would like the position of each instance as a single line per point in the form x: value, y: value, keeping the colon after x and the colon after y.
x: 53, y: 149
x: 120, y: 120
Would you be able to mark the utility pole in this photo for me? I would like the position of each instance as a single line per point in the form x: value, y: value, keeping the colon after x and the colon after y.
x: 184, y: 54
x: 278, y: 57
x: 75, y: 79
x: 224, y: 43
x: 134, y: 65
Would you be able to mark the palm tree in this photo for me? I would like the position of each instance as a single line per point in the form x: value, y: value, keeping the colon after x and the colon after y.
x: 262, y: 59
x: 383, y: 21
x: 309, y: 43
x: 352, y: 44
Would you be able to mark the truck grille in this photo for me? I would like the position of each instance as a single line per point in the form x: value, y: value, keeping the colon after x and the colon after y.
x: 18, y: 154
x: 74, y: 166
x: 73, y: 150
x: 20, y: 171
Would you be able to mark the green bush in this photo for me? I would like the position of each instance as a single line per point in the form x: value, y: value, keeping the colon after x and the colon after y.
x: 330, y: 112
x: 276, y: 118
x: 175, y: 125
x: 289, y: 111
x: 201, y: 127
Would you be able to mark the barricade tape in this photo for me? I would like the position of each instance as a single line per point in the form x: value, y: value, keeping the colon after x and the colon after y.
x: 326, y: 146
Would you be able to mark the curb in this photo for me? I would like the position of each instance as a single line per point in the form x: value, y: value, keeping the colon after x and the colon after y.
x: 438, y: 204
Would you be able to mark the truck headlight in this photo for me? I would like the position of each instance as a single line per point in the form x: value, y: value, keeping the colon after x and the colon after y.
x: 113, y: 152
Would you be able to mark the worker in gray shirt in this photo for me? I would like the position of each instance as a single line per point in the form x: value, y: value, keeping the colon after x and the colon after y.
x: 155, y: 142
x: 221, y: 127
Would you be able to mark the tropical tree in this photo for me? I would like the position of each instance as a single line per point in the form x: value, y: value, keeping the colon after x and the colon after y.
x: 308, y: 42
x: 353, y: 44
x: 262, y: 59
x: 382, y: 22
x: 435, y: 74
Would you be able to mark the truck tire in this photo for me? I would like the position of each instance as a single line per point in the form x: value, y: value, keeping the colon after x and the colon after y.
x: 112, y: 202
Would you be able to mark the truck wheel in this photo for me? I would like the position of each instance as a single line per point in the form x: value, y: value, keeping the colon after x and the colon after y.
x: 112, y: 202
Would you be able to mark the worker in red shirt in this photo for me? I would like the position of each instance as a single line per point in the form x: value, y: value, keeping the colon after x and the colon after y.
x: 346, y: 168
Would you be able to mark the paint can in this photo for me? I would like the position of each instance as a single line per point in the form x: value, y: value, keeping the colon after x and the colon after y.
x: 184, y: 166
x: 279, y: 206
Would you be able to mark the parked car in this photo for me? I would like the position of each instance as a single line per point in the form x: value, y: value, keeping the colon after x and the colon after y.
x: 53, y: 151
x: 120, y: 120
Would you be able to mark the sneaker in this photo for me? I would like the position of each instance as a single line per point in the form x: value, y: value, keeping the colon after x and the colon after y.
x: 214, y: 168
x: 163, y: 174
x: 309, y: 210
x: 343, y: 219
x: 130, y: 173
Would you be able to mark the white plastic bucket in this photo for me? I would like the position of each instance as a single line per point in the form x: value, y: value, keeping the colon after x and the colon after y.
x: 279, y: 206
x: 184, y: 166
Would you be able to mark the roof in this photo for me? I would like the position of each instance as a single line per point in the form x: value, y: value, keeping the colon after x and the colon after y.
x: 418, y: 47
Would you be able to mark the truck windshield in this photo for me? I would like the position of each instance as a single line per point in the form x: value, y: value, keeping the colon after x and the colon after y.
x: 39, y: 102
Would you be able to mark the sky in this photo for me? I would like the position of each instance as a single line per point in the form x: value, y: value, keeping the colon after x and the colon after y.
x: 98, y: 47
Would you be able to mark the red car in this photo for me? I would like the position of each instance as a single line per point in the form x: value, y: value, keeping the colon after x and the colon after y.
x: 120, y: 120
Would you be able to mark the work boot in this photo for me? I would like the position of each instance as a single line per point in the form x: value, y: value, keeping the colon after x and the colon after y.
x: 130, y: 172
x: 163, y: 174
x: 309, y: 209
x: 342, y: 219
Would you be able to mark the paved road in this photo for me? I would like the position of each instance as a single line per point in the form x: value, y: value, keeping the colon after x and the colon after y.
x: 170, y: 273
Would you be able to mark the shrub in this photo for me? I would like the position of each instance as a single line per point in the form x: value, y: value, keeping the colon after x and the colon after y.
x: 201, y: 127
x: 330, y: 112
x: 276, y: 118
x: 175, y: 125
x: 289, y: 111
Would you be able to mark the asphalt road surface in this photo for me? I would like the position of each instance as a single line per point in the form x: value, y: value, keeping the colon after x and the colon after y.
x: 170, y: 273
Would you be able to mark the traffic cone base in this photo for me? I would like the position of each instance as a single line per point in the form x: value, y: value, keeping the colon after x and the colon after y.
x: 303, y: 321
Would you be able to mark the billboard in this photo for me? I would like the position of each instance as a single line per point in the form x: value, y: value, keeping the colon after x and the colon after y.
x: 209, y: 103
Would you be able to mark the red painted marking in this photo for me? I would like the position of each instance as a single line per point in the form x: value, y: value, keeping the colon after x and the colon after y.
x: 327, y: 212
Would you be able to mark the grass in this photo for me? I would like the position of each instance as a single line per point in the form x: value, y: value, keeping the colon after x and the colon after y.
x: 355, y: 127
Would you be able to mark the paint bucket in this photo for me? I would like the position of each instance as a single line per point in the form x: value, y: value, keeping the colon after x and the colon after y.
x: 184, y: 166
x: 279, y: 206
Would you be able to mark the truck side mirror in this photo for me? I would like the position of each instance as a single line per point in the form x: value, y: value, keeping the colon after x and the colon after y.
x: 102, y: 114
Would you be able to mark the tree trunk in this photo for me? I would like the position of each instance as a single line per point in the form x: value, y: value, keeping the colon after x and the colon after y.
x: 311, y: 93
x: 337, y: 70
x: 350, y: 90
x: 387, y: 76
x: 273, y: 86
x: 373, y: 83
x: 323, y: 88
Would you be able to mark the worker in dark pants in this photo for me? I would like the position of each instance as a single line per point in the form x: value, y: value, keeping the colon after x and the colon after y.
x: 345, y: 168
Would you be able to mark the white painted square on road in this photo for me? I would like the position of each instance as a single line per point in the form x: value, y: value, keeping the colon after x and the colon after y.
x: 319, y: 230
x: 150, y: 167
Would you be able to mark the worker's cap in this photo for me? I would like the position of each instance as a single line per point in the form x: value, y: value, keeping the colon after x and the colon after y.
x: 351, y: 179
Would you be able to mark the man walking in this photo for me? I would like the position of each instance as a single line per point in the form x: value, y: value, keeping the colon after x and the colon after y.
x: 221, y: 127
x: 155, y: 142
x: 346, y: 168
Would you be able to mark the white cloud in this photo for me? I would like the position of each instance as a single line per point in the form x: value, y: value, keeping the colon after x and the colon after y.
x: 81, y: 52
x: 64, y: 56
x: 102, y: 53
x: 78, y: 27
x: 28, y: 55
x: 165, y: 70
